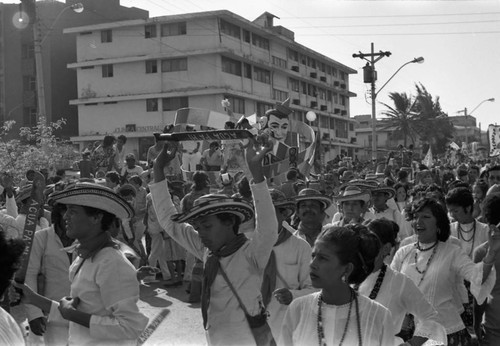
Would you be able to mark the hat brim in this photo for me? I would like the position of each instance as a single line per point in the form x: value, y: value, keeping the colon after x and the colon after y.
x: 95, y: 196
x: 363, y: 196
x: 290, y: 204
x: 390, y: 191
x: 325, y: 201
x: 243, y: 210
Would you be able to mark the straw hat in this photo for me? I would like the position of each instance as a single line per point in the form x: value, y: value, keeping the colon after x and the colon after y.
x: 95, y: 196
x: 381, y: 188
x: 280, y: 200
x: 353, y: 193
x: 216, y: 204
x: 313, y: 195
x: 24, y: 193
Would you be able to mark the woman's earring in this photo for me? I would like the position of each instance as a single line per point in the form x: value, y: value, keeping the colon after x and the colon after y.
x: 344, y: 279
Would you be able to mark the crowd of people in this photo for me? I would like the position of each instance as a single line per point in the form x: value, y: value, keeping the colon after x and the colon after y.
x: 392, y: 256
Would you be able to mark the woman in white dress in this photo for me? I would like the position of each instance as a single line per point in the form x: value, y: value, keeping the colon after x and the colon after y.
x: 337, y: 315
x: 398, y: 293
x: 437, y: 266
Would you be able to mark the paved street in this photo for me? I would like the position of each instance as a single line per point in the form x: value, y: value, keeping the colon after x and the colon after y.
x: 183, y: 324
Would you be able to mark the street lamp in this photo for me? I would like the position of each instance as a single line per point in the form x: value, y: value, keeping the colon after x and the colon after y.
x: 467, y: 114
x: 38, y: 42
x: 370, y: 76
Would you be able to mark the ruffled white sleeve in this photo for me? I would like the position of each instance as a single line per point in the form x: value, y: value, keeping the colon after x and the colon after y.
x: 426, y: 324
x: 473, y: 272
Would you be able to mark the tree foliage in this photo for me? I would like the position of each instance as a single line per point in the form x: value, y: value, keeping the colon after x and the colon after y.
x: 419, y: 116
x: 37, y: 148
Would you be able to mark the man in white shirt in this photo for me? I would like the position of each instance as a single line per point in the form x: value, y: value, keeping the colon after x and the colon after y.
x: 191, y: 155
x: 216, y: 240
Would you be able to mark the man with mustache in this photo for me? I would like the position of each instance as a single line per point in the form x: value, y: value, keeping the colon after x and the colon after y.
x: 311, y: 206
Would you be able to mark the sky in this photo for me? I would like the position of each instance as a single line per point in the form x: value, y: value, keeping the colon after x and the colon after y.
x: 459, y: 40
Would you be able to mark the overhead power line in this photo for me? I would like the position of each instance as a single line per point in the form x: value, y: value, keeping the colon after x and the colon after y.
x: 400, y: 15
x: 393, y: 24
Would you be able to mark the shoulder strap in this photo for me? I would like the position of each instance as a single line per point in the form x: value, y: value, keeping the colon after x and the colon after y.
x: 224, y: 275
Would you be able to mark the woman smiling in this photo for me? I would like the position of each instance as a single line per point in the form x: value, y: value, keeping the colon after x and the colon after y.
x: 437, y: 266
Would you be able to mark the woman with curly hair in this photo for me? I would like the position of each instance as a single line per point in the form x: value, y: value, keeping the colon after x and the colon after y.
x: 437, y: 266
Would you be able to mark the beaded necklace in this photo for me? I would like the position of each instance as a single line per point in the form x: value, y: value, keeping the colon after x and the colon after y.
x: 434, y: 247
x: 461, y: 232
x: 321, y: 334
x: 376, y: 288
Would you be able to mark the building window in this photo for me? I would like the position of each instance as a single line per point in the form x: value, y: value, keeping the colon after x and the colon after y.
x: 260, y: 41
x: 174, y: 103
x: 151, y: 66
x: 152, y: 105
x: 303, y: 59
x: 341, y: 128
x: 262, y: 75
x: 279, y: 95
x: 106, y: 36
x: 342, y: 75
x: 246, y: 36
x: 342, y: 100
x: 334, y: 72
x: 231, y: 66
x: 311, y: 62
x: 173, y: 29
x: 150, y: 31
x: 237, y: 103
x: 247, y: 70
x: 304, y: 87
x: 322, y: 93
x: 294, y: 85
x: 29, y: 83
x: 107, y: 71
x: 324, y: 121
x: 262, y: 108
x: 329, y: 95
x: 27, y: 51
x: 279, y: 62
x: 293, y: 55
x: 172, y: 65
x: 335, y: 98
x: 229, y: 29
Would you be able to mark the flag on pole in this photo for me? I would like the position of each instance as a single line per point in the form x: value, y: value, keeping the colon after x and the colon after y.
x: 428, y: 161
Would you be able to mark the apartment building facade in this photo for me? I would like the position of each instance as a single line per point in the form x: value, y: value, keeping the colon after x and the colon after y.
x: 133, y: 76
x: 18, y: 85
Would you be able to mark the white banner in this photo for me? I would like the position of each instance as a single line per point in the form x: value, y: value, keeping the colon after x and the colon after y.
x: 494, y: 139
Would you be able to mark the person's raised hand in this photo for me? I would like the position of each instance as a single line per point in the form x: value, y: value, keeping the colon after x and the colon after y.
x: 166, y: 155
x: 254, y: 158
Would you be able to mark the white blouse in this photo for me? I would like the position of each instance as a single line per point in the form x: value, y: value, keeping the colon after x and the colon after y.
x: 301, y: 321
x: 401, y: 296
x: 447, y: 269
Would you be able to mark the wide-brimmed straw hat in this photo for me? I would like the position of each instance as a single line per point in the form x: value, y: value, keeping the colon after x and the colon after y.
x: 95, y: 196
x: 280, y: 200
x: 382, y: 188
x: 365, y: 185
x: 313, y: 195
x: 353, y: 193
x: 216, y: 204
x: 24, y: 192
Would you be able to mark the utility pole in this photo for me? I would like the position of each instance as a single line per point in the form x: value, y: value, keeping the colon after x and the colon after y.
x: 466, y: 128
x: 370, y: 76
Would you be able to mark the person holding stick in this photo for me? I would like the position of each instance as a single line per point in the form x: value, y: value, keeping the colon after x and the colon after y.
x: 102, y: 307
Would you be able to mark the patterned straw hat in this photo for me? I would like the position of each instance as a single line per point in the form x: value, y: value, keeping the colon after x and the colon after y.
x: 280, y: 200
x: 95, y: 196
x: 313, y: 195
x: 216, y: 204
x: 353, y: 193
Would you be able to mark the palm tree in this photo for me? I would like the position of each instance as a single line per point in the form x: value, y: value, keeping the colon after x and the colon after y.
x: 402, y: 117
x: 435, y: 127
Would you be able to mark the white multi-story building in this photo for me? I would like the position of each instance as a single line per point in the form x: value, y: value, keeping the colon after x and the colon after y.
x: 133, y: 75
